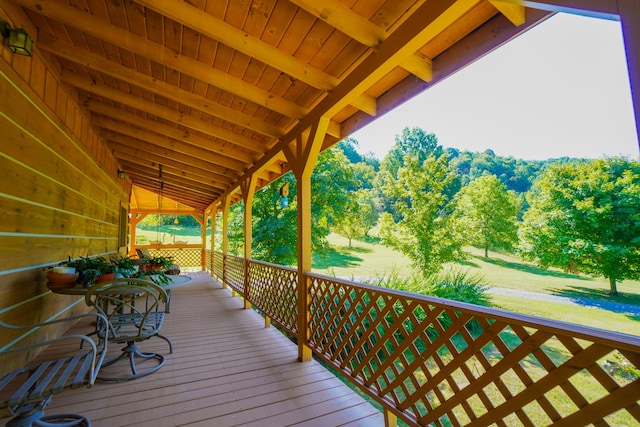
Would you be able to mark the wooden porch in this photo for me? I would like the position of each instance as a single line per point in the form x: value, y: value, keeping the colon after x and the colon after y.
x: 227, y: 369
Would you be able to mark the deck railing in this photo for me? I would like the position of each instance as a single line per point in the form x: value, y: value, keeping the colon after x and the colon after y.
x: 186, y: 258
x: 431, y: 361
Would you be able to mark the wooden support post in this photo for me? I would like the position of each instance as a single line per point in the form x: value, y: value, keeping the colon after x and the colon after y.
x: 248, y: 188
x: 213, y: 213
x: 203, y: 241
x: 390, y: 419
x: 302, y: 155
x: 225, y: 237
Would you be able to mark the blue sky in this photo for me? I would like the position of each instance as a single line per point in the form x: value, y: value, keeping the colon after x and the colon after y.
x: 561, y: 89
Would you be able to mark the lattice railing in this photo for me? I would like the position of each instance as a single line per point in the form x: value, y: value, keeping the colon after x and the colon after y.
x: 218, y: 265
x: 208, y: 260
x: 273, y: 290
x: 234, y: 273
x: 184, y: 257
x: 437, y: 362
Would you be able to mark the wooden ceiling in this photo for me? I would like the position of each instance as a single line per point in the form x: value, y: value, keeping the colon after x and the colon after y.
x: 193, y: 96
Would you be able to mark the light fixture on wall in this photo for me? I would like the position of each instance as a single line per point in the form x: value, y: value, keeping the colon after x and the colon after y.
x: 19, y: 40
x: 121, y: 174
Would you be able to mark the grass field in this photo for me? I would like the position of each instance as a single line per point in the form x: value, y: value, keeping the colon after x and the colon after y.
x: 500, y: 271
x: 366, y: 260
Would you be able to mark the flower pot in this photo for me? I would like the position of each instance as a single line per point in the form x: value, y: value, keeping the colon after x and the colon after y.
x: 105, y: 277
x: 57, y: 280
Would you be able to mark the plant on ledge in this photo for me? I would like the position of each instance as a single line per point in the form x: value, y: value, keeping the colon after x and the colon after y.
x: 155, y: 269
x: 91, y: 270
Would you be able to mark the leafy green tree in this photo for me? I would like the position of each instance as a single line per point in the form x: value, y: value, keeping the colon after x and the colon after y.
x: 415, y: 142
x: 350, y: 150
x: 424, y: 232
x: 585, y: 217
x: 488, y: 214
x: 359, y: 217
x: 412, y: 143
x: 275, y: 227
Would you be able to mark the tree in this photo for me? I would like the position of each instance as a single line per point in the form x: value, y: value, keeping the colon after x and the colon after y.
x: 359, y: 217
x: 585, y: 217
x: 488, y: 214
x: 424, y: 232
x: 275, y: 227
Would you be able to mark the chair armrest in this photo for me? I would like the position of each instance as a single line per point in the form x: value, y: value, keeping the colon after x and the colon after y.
x: 98, y: 350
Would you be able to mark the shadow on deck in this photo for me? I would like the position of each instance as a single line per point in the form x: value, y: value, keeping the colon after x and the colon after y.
x: 226, y: 370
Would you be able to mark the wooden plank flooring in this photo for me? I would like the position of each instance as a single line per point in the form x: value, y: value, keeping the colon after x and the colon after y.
x: 226, y: 370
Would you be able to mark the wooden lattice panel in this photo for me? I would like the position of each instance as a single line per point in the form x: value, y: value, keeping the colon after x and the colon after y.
x: 273, y: 290
x: 208, y: 260
x: 234, y: 273
x: 185, y: 257
x: 218, y: 265
x: 438, y: 362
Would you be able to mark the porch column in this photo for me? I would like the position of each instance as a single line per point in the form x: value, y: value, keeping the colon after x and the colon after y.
x: 225, y: 237
x: 248, y: 188
x: 302, y: 154
x: 203, y: 240
x: 213, y: 213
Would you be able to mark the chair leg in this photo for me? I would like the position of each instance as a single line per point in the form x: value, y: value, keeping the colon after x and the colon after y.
x: 63, y: 420
x: 168, y: 342
x: 32, y: 414
x: 131, y: 352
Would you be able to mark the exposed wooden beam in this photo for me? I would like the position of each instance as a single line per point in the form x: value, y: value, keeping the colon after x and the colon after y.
x: 103, y: 30
x: 493, y: 34
x: 606, y: 9
x: 144, y: 81
x: 186, y: 141
x: 241, y: 41
x: 144, y: 152
x: 356, y: 26
x: 177, y: 178
x: 514, y: 11
x: 108, y: 92
x: 163, y: 146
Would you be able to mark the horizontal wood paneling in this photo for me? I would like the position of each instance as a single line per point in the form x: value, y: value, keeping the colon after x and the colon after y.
x: 60, y: 196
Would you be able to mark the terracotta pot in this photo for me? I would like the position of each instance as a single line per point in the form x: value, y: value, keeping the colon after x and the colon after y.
x: 105, y: 277
x: 61, y: 280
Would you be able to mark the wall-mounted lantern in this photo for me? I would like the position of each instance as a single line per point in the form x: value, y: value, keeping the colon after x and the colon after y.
x: 20, y: 42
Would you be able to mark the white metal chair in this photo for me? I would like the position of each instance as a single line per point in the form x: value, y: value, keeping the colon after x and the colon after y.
x: 135, y: 310
x: 26, y: 391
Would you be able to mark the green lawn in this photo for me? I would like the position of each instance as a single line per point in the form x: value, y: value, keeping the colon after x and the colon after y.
x: 501, y: 271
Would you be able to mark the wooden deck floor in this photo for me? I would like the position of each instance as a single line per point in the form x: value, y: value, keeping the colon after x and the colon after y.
x: 226, y: 370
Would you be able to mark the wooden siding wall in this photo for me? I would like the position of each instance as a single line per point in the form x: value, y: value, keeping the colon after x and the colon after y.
x: 60, y: 195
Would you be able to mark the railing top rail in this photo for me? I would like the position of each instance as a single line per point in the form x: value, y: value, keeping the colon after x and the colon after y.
x: 268, y: 264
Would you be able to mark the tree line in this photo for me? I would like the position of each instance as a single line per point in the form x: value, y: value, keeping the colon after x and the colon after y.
x: 430, y: 202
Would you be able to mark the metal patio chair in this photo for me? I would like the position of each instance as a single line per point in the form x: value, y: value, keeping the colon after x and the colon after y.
x: 26, y: 391
x: 135, y: 310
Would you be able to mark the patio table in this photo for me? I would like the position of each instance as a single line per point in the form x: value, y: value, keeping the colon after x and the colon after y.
x: 177, y: 281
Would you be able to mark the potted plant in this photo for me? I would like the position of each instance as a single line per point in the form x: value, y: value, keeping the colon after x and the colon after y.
x: 157, y: 263
x: 62, y: 277
x: 124, y: 266
x: 155, y: 269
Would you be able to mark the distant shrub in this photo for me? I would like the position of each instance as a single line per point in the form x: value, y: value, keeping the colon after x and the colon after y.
x: 462, y: 286
x: 457, y: 285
